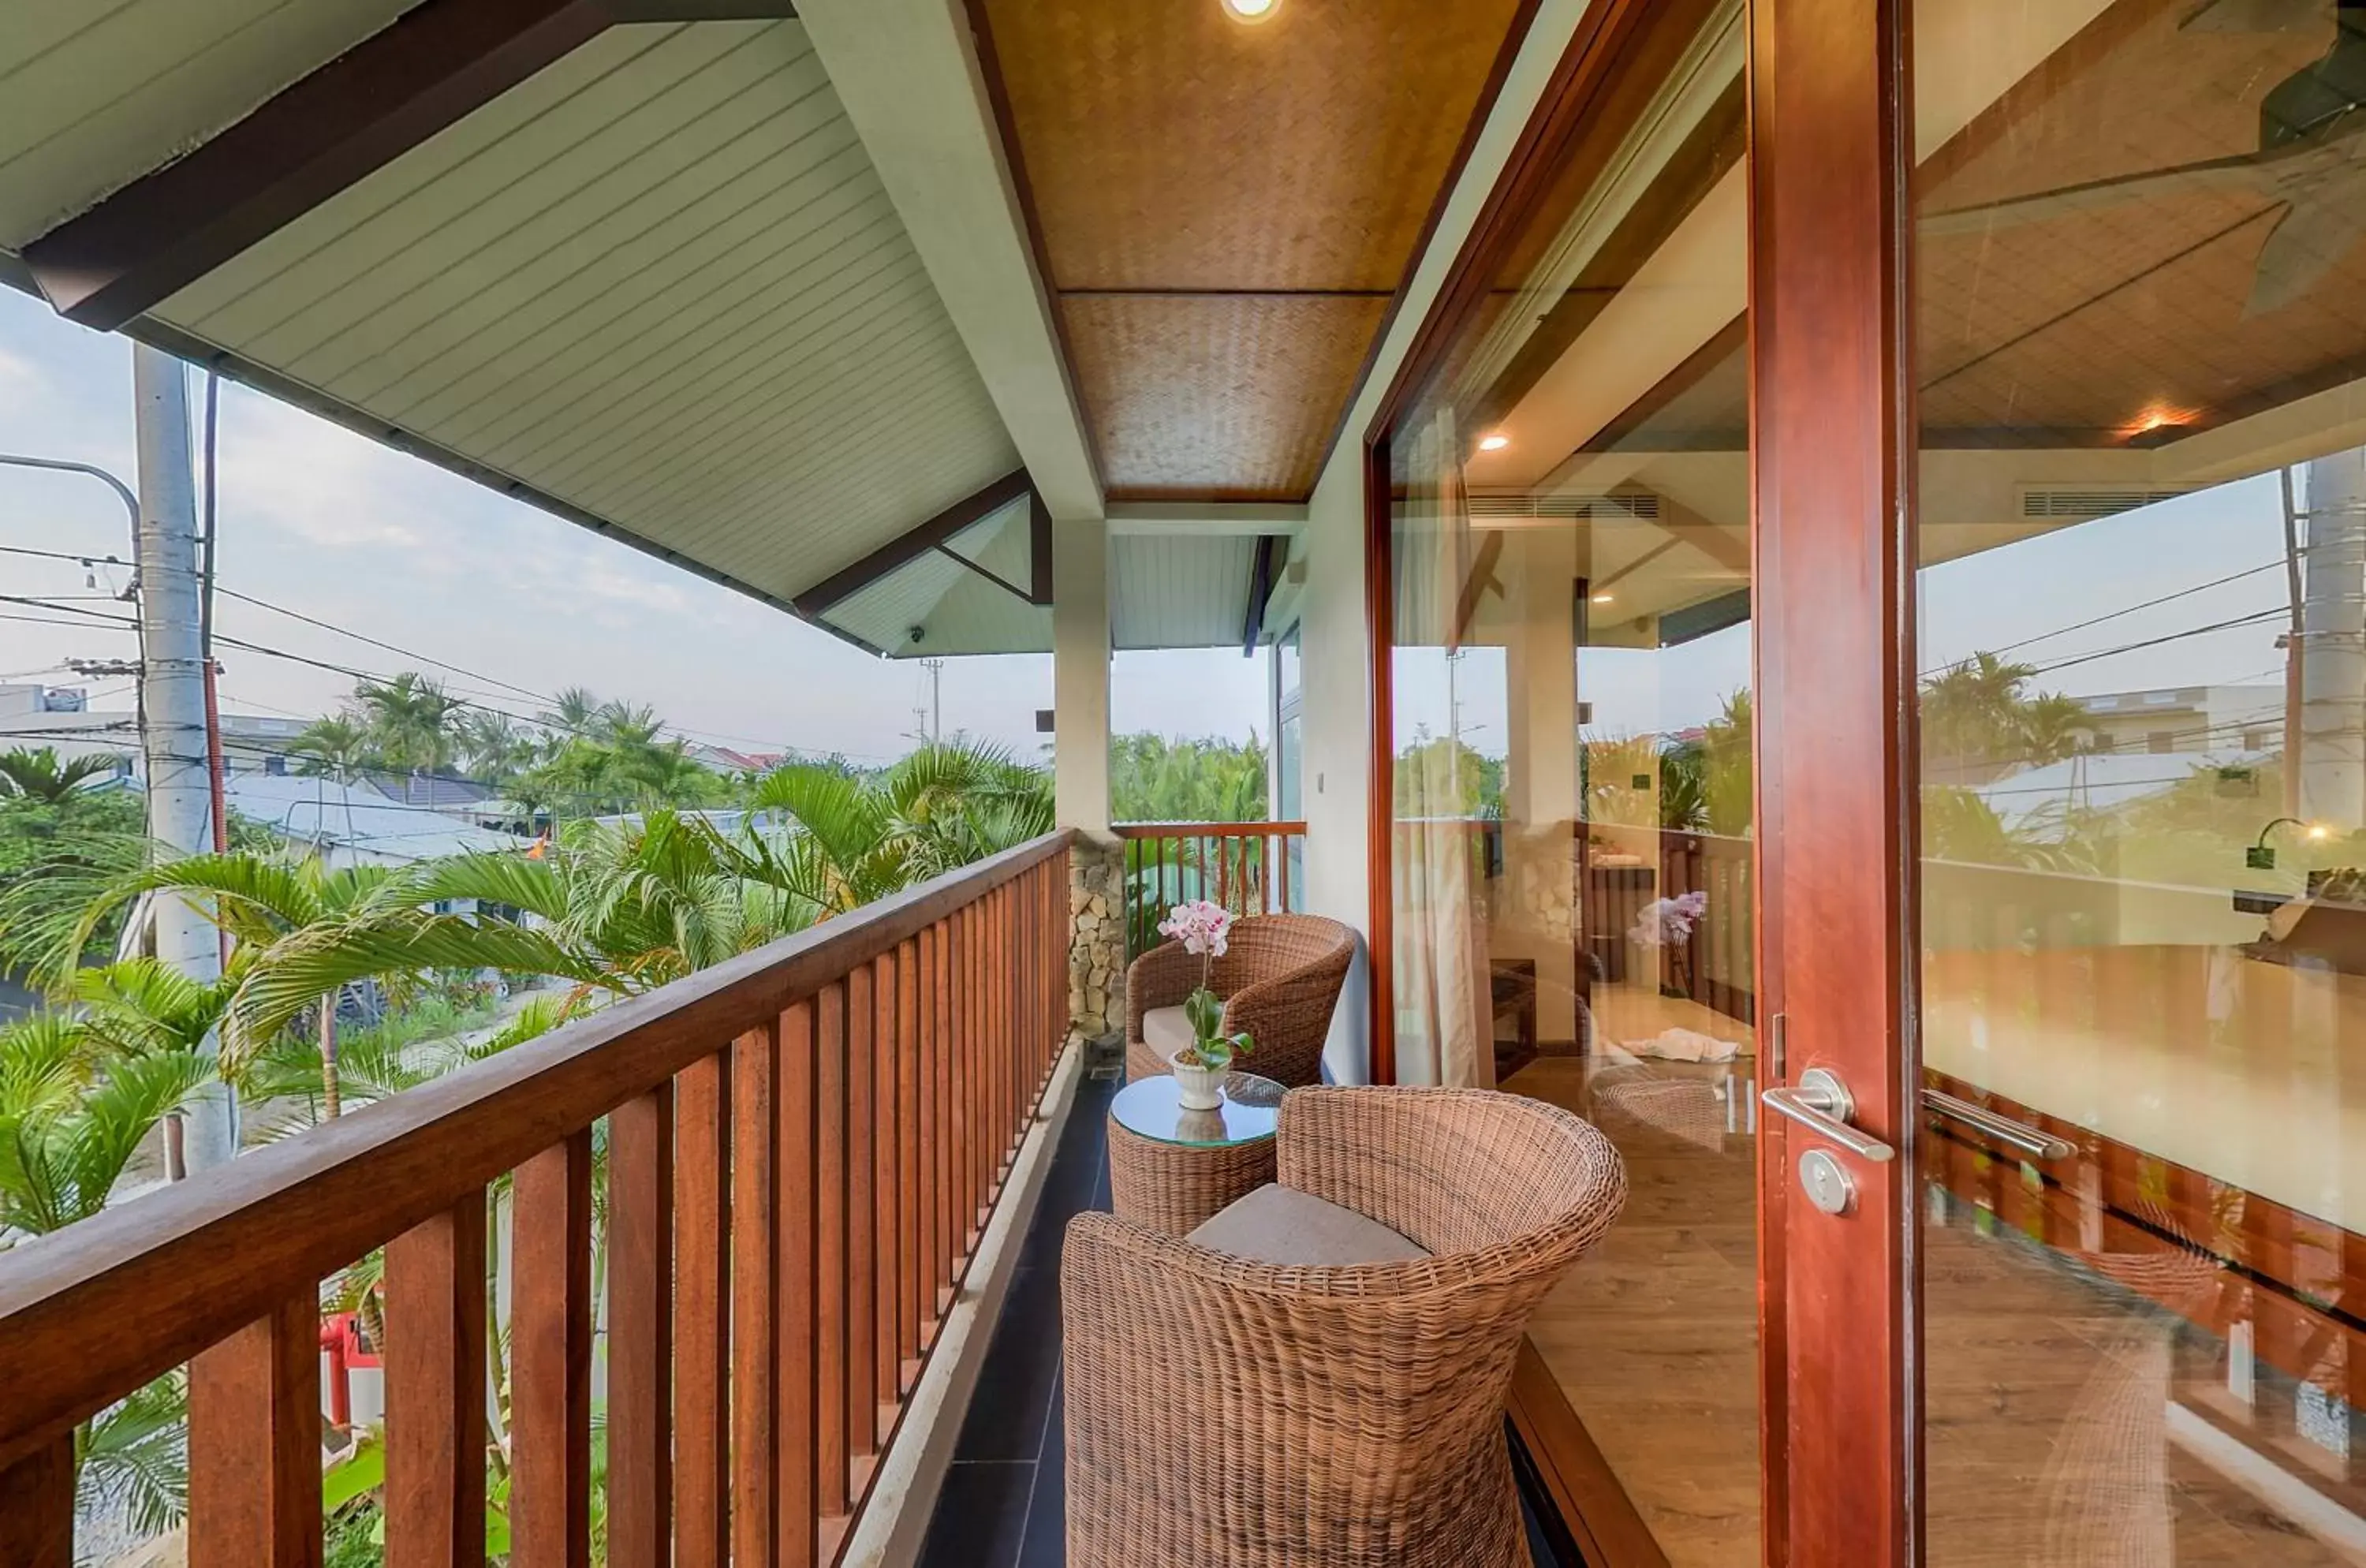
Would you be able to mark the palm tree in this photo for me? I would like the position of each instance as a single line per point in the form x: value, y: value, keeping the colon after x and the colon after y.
x: 334, y: 747
x: 943, y: 806
x: 573, y: 714
x: 38, y: 775
x: 496, y: 747
x: 411, y: 720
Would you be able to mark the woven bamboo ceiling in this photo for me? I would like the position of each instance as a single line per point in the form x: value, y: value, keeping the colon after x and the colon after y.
x: 1223, y: 210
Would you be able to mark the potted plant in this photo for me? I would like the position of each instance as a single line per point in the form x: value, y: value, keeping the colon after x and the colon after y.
x: 1199, y: 1067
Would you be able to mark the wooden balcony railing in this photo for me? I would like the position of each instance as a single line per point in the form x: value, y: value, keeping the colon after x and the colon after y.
x: 802, y: 1149
x: 1251, y: 868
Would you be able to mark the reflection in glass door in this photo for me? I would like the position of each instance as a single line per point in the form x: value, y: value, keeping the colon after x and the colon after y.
x: 1571, y: 782
x: 2141, y: 369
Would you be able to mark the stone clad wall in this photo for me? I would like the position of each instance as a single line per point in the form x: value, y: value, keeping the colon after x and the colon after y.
x: 1097, y: 943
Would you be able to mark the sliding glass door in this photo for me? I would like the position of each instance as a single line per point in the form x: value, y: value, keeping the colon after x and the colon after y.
x: 2139, y: 339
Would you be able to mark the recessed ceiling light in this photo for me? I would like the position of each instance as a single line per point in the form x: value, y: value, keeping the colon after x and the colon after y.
x: 1251, y: 10
x: 1604, y: 598
x: 1493, y: 443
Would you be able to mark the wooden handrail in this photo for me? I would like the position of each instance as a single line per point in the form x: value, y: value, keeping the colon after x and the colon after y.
x: 101, y: 1308
x: 1209, y: 829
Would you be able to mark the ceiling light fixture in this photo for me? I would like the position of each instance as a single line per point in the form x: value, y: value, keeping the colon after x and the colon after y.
x: 1493, y: 443
x: 1604, y: 598
x: 1251, y: 10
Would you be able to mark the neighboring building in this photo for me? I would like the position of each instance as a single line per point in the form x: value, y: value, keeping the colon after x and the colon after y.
x: 32, y: 716
x: 2187, y: 718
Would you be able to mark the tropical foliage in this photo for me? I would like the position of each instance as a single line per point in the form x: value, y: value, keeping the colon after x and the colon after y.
x: 1154, y: 779
x: 1981, y: 718
x: 582, y: 757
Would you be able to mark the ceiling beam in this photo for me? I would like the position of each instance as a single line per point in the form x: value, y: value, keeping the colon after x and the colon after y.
x: 303, y: 145
x: 430, y: 68
x: 1270, y: 552
x: 917, y: 541
x: 1213, y: 519
x: 908, y: 74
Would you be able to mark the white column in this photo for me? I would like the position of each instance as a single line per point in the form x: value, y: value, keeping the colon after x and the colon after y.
x: 1080, y: 671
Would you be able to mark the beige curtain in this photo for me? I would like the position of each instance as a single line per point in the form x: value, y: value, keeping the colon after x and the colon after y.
x: 1444, y: 1016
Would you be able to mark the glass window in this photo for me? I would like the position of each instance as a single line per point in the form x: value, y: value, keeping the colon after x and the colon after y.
x: 1571, y: 854
x: 2140, y: 338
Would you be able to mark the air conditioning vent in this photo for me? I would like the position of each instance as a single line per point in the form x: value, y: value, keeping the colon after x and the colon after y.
x: 2081, y: 503
x: 1642, y: 505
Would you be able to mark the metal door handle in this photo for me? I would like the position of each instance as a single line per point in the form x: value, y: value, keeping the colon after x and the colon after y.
x: 2013, y: 1135
x: 1822, y: 1104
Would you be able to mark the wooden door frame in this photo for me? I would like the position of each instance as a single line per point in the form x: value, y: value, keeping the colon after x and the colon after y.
x: 1831, y: 466
x: 1831, y: 475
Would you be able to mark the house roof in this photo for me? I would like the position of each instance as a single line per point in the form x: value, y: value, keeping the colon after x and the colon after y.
x: 656, y: 284
x: 357, y: 819
x: 630, y: 260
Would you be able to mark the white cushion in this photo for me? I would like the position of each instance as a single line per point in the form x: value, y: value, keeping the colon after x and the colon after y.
x: 1277, y: 1224
x: 1165, y: 1030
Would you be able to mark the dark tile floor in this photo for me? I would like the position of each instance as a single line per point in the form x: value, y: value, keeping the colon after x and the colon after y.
x: 1003, y: 1502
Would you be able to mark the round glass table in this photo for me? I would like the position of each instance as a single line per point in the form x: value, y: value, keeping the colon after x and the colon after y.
x: 1171, y: 1168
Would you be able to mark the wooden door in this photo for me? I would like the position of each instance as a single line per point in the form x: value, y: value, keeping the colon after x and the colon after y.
x: 1835, y: 678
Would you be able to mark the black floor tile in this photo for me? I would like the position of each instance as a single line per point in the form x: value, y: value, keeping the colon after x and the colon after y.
x: 1046, y: 1542
x: 981, y: 1517
x: 1013, y: 1399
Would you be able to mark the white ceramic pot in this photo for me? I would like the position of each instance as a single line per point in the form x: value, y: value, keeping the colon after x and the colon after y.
x: 1202, y: 1089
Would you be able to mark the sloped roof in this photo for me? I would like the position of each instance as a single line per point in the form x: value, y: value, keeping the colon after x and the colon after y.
x: 655, y: 285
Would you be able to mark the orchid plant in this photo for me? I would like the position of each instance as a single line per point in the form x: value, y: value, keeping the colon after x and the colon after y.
x: 1204, y: 927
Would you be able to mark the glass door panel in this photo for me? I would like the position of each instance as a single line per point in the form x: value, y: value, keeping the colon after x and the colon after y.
x: 1570, y: 813
x: 2140, y: 361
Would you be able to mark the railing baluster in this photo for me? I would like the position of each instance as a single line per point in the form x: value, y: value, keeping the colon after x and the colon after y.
x: 755, y: 1326
x: 861, y: 1258
x: 255, y: 1443
x: 434, y: 1369
x: 702, y: 1315
x: 550, y: 1331
x: 911, y: 1123
x: 932, y: 1133
x: 36, y: 1496
x: 964, y: 1095
x: 829, y: 1267
x: 886, y: 1166
x: 997, y: 1045
x: 640, y: 1330
x: 946, y: 1243
x: 798, y: 1296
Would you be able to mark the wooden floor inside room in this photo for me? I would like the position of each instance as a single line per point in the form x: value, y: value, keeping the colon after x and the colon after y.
x: 2073, y: 1423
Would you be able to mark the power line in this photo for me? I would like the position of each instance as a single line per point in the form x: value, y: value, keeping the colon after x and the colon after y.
x: 390, y: 648
x: 2255, y: 619
x: 2114, y: 615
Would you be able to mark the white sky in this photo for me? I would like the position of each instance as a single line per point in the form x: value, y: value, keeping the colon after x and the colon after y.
x: 326, y: 522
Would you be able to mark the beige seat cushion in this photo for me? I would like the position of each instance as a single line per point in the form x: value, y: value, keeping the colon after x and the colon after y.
x: 1277, y: 1224
x: 1165, y: 1030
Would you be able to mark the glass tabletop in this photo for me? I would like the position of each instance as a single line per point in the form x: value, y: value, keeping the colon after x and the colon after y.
x: 1152, y: 1108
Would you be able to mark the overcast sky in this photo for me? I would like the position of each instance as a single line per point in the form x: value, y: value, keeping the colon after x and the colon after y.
x: 355, y: 533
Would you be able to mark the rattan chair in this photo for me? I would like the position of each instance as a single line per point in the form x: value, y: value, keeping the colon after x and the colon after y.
x: 1279, y: 977
x: 1224, y: 1413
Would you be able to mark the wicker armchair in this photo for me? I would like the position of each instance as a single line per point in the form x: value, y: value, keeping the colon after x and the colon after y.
x: 1280, y: 978
x: 1225, y: 1413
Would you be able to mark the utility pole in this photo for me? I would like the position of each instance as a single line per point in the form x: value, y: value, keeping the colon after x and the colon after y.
x: 935, y: 669
x: 2332, y: 749
x: 173, y: 701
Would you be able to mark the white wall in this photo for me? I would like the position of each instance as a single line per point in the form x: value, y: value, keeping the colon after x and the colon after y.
x: 1338, y: 646
x: 1080, y: 674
